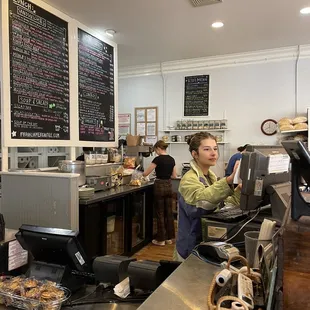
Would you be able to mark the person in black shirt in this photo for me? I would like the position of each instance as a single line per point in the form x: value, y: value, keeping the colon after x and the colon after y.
x: 165, y: 169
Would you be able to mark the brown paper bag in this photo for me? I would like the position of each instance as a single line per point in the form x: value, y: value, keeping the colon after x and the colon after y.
x: 132, y: 140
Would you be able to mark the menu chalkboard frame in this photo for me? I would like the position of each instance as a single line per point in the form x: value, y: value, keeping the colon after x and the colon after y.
x: 208, y: 101
x: 82, y: 143
x: 7, y: 140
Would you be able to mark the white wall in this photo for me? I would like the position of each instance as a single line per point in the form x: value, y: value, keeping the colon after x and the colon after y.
x: 249, y: 94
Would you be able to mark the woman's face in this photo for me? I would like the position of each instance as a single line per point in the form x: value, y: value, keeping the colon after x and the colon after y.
x: 207, y: 153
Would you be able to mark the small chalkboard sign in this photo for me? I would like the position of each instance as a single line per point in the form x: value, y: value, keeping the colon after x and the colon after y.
x: 196, y: 95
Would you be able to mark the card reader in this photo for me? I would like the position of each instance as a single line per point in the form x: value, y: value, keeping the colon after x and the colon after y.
x: 216, y: 252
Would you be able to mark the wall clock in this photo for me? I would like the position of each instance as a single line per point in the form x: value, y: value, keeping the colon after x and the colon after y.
x: 269, y: 127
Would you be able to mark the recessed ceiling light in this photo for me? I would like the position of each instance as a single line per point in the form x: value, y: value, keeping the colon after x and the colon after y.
x: 305, y: 11
x: 217, y: 25
x: 110, y: 32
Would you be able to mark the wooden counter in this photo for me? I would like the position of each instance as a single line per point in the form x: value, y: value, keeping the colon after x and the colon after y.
x: 294, y: 258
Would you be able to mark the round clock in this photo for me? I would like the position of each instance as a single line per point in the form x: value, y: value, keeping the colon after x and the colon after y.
x: 269, y: 127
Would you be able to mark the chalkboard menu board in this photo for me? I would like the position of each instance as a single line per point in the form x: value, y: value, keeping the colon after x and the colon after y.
x: 39, y: 73
x: 196, y: 97
x: 96, y: 89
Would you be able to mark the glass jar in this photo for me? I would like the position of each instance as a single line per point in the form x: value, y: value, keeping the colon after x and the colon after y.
x: 224, y: 124
x: 112, y: 152
x: 179, y: 125
x: 90, y: 158
x: 99, y: 157
x: 217, y: 125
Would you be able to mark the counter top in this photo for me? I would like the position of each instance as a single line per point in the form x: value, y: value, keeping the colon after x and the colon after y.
x: 99, y: 306
x: 9, y: 235
x: 114, y: 193
x: 186, y: 288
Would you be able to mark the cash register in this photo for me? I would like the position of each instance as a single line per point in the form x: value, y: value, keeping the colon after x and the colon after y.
x: 265, y: 186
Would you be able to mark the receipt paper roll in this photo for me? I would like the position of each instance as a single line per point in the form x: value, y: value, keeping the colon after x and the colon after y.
x: 223, y: 277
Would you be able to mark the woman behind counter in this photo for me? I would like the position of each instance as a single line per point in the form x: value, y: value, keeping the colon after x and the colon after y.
x: 233, y: 159
x: 200, y: 193
x: 165, y: 169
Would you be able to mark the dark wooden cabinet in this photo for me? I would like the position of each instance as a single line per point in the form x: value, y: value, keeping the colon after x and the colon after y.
x: 119, y: 225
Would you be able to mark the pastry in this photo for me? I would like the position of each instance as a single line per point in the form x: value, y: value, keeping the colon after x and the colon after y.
x: 286, y: 127
x: 135, y: 182
x: 31, y: 283
x: 299, y: 119
x: 285, y: 121
x: 34, y: 293
x: 300, y: 126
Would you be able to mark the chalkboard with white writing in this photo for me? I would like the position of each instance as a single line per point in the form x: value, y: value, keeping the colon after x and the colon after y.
x: 39, y: 73
x: 196, y: 95
x: 96, y: 89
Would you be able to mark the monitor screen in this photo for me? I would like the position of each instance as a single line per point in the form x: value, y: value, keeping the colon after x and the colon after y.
x: 300, y: 157
x: 53, y: 246
x: 256, y: 177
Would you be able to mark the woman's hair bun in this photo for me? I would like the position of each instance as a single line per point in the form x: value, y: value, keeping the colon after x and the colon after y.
x: 161, y: 145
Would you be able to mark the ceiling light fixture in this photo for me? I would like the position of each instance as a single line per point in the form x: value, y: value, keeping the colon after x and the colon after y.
x: 305, y: 11
x: 110, y: 32
x: 217, y: 25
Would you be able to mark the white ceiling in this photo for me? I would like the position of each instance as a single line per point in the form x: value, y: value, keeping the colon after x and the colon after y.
x: 163, y: 30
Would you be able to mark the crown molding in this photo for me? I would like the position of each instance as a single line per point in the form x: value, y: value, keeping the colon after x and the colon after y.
x: 262, y: 56
x: 136, y: 71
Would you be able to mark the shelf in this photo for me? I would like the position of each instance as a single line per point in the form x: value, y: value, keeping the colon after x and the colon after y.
x: 198, y: 130
x: 102, y: 165
x: 57, y: 154
x: 186, y: 142
x: 294, y: 131
x: 29, y: 154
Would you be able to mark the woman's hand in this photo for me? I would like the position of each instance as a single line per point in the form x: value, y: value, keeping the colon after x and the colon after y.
x: 230, y: 179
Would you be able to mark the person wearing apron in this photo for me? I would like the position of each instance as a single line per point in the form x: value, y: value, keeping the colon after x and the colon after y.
x: 165, y: 169
x: 200, y: 193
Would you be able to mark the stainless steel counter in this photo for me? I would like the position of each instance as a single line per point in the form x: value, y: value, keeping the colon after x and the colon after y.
x: 186, y: 288
x: 108, y: 306
x: 114, y: 193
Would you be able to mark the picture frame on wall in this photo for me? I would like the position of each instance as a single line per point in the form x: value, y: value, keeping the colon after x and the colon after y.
x: 146, y: 123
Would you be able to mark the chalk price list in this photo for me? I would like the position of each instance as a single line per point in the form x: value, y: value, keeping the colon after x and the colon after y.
x: 96, y: 89
x: 39, y: 73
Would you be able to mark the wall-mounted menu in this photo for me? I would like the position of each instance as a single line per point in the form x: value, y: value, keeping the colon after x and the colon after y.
x: 39, y: 73
x: 196, y: 96
x: 96, y: 89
